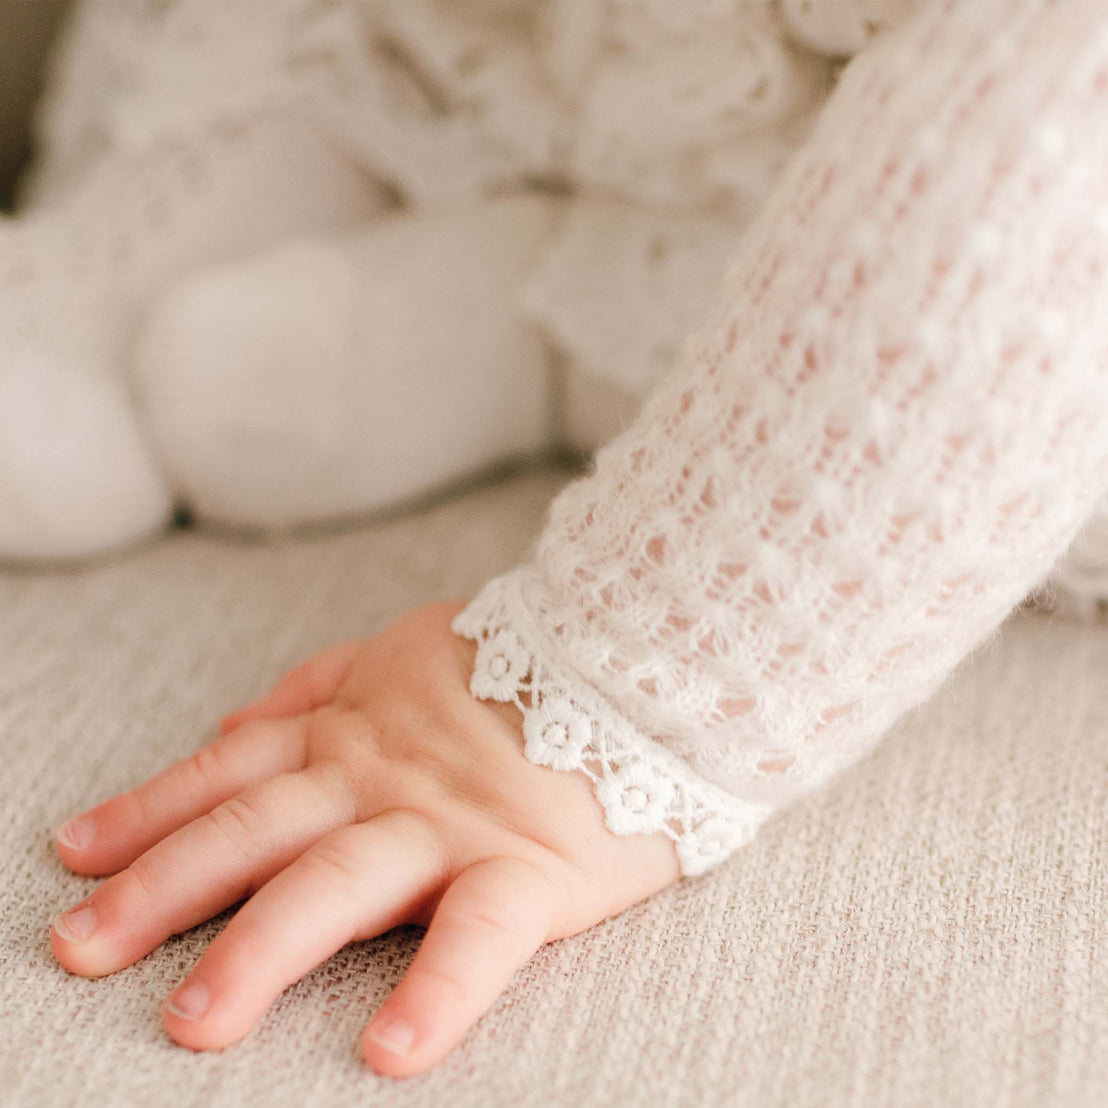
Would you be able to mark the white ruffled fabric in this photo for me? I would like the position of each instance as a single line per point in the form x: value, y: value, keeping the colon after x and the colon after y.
x: 178, y: 135
x: 671, y: 121
x: 893, y: 425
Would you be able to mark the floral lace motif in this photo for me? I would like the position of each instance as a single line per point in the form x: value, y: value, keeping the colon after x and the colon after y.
x: 640, y: 785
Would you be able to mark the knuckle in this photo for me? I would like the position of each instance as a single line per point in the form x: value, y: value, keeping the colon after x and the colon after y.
x: 456, y: 990
x: 408, y: 822
x: 338, y: 784
x: 207, y: 764
x: 311, y: 676
x: 290, y: 683
x: 486, y: 922
x: 334, y: 734
x: 142, y: 813
x: 514, y: 904
x: 138, y: 883
x: 252, y: 731
x: 236, y: 821
x: 332, y: 862
x: 529, y: 873
x: 247, y: 937
x: 552, y: 887
x: 414, y: 823
x: 534, y: 890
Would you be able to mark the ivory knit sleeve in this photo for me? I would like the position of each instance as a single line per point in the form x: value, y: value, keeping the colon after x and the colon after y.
x: 892, y: 424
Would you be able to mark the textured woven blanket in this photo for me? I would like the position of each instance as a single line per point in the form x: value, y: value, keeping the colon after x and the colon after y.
x: 931, y: 929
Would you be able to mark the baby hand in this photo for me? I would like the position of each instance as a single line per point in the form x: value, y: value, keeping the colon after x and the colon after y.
x: 368, y: 789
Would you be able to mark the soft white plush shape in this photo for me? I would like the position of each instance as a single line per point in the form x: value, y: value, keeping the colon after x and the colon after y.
x: 76, y: 479
x: 178, y: 136
x: 333, y: 376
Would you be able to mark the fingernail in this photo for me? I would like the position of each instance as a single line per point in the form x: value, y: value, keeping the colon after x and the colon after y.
x: 77, y: 833
x: 394, y: 1035
x: 77, y: 924
x: 189, y: 1002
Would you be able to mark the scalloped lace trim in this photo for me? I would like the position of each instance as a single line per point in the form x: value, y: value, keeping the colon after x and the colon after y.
x: 641, y: 786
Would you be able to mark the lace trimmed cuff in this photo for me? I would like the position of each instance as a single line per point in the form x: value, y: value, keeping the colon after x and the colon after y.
x: 640, y: 785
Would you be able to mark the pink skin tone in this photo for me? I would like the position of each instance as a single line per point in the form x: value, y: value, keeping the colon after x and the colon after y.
x: 368, y: 789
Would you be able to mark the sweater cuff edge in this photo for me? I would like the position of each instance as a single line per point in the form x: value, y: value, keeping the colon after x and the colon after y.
x: 641, y: 786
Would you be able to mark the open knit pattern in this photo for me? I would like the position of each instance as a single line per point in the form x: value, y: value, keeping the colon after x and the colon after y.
x: 890, y: 429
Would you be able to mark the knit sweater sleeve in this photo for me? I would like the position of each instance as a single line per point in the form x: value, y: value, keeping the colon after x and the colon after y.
x: 892, y: 424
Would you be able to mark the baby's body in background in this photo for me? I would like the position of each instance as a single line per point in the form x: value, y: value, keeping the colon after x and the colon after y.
x: 314, y: 263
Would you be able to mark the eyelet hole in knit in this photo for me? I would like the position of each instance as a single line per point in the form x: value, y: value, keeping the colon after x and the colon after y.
x: 771, y: 767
